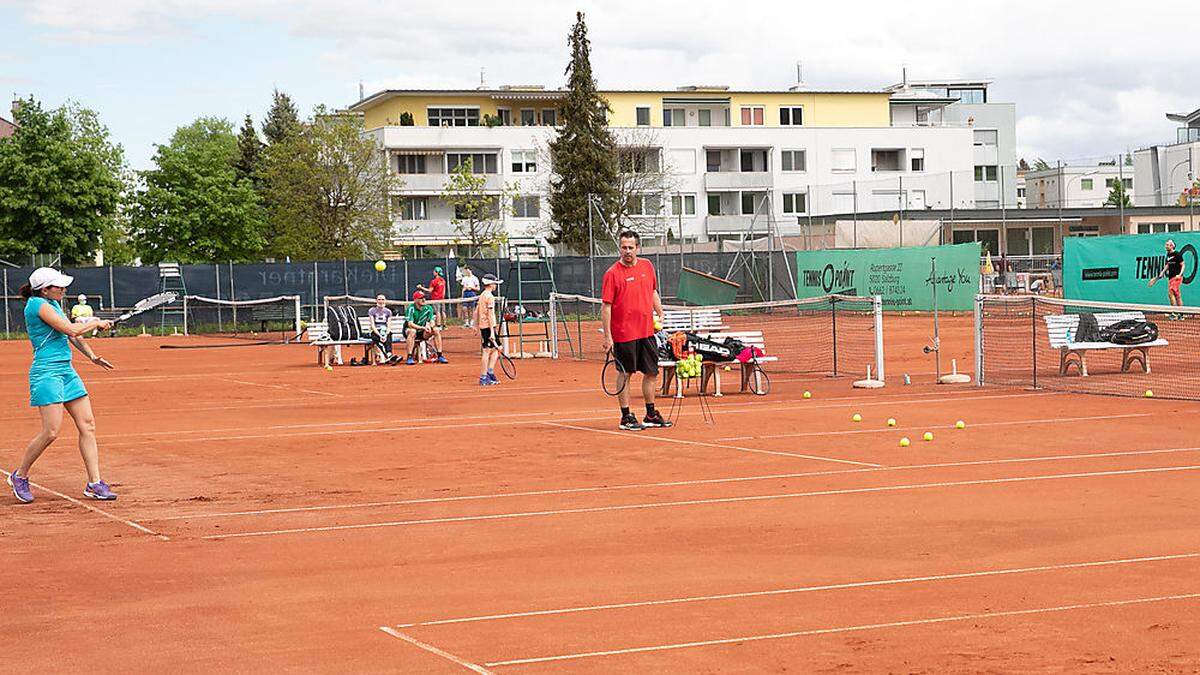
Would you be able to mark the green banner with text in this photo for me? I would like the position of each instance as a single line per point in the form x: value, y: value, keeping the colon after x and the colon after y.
x: 903, y: 277
x: 1120, y: 268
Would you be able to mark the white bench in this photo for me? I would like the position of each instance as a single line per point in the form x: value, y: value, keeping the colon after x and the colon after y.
x: 694, y: 320
x: 711, y: 370
x: 317, y: 334
x: 1061, y: 330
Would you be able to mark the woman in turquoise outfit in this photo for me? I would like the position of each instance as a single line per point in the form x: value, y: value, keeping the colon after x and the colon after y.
x: 53, y: 383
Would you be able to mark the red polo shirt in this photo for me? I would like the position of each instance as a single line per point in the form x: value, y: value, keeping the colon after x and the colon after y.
x: 437, y: 288
x: 630, y: 291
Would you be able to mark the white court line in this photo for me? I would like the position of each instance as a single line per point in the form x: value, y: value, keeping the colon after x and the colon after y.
x: 434, y: 650
x: 845, y: 629
x: 1043, y: 420
x: 93, y: 509
x: 677, y: 483
x: 703, y: 444
x: 811, y: 589
x: 284, y: 387
x: 697, y: 502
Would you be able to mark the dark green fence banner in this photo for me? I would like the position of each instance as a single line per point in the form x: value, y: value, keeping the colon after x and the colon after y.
x: 903, y: 277
x: 1119, y: 268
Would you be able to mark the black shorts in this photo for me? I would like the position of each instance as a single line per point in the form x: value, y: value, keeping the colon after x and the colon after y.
x: 637, y: 356
x: 486, y: 340
x: 420, y: 334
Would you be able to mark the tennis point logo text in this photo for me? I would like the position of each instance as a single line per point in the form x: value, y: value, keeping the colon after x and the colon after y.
x: 829, y: 277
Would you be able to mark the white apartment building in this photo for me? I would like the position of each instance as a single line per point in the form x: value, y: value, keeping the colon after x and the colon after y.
x: 1166, y: 171
x: 1076, y: 186
x: 728, y: 161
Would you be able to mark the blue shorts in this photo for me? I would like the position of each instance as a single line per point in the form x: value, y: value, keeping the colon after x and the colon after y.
x: 51, y: 383
x: 469, y: 299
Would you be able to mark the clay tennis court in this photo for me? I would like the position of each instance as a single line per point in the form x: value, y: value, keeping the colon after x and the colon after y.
x: 276, y: 516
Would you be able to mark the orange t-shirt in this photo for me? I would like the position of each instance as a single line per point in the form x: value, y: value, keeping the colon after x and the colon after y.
x: 487, y: 310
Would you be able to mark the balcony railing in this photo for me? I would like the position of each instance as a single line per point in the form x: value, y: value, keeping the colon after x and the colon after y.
x: 436, y: 182
x: 732, y: 224
x: 1187, y: 135
x: 737, y: 180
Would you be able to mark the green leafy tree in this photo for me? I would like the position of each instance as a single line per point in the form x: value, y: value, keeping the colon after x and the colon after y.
x: 1040, y: 165
x: 1117, y: 195
x: 193, y: 207
x: 283, y: 119
x: 583, y: 153
x: 327, y: 188
x: 60, y: 183
x: 248, y: 164
x: 477, y: 217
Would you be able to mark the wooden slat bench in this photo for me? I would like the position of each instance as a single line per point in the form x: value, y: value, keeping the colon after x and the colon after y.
x: 694, y: 320
x: 1061, y: 329
x: 318, y: 336
x: 711, y: 370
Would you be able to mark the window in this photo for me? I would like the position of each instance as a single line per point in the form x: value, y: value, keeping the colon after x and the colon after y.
x: 643, y: 116
x: 1159, y: 228
x: 453, y: 117
x: 916, y: 158
x: 795, y: 202
x: 480, y: 162
x: 794, y: 160
x: 528, y: 117
x: 410, y: 163
x: 631, y: 161
x: 985, y: 137
x: 505, y: 116
x: 488, y: 212
x: 753, y: 160
x: 967, y: 95
x: 549, y: 117
x: 705, y: 117
x: 714, y: 205
x: 524, y: 161
x: 791, y: 116
x: 643, y: 205
x: 526, y: 206
x: 673, y: 117
x: 683, y: 205
x: 887, y: 160
x: 1043, y: 241
x: 1020, y: 192
x: 844, y: 160
x: 1086, y: 184
x: 412, y: 208
x: 752, y: 115
x: 750, y: 202
x: 713, y: 160
x: 985, y: 174
x: 1111, y: 182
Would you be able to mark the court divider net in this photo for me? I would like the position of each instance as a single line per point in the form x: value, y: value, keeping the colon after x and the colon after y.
x: 269, y: 319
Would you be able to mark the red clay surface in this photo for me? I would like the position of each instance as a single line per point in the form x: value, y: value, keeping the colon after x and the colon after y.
x: 275, y: 516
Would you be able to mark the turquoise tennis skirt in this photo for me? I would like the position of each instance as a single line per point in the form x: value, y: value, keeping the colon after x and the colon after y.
x: 51, y: 383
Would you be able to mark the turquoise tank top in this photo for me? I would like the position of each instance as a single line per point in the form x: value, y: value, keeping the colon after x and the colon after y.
x: 49, y: 345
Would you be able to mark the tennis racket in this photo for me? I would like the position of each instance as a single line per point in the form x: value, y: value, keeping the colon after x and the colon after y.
x: 506, y: 362
x: 757, y: 378
x: 613, y: 378
x: 146, y: 304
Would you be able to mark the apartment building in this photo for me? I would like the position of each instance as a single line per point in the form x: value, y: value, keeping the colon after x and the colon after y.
x: 7, y: 128
x: 726, y: 161
x: 1076, y: 186
x: 1167, y: 170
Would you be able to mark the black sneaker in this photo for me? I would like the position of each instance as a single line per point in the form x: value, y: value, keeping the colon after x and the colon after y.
x: 655, y: 419
x: 630, y: 423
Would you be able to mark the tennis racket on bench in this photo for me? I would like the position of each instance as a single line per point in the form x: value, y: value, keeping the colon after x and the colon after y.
x: 613, y: 378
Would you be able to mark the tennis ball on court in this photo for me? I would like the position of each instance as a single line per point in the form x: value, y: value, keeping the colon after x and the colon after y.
x: 891, y: 421
x: 1149, y: 394
x: 329, y: 368
x: 904, y: 442
x: 727, y: 369
x: 857, y: 417
x: 808, y: 394
x: 928, y: 436
x: 960, y: 425
x: 380, y: 266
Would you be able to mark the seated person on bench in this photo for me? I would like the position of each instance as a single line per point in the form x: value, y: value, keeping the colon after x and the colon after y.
x: 422, y: 326
x: 381, y: 335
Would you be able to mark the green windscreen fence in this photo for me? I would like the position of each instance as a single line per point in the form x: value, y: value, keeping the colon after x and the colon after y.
x: 903, y: 277
x: 1120, y: 268
x: 698, y: 288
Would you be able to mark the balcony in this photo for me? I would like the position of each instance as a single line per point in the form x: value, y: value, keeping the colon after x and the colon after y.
x: 433, y: 183
x: 733, y: 224
x: 737, y: 180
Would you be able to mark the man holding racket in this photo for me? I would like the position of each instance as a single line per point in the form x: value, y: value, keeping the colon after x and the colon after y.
x: 53, y: 382
x: 631, y: 301
x: 1173, y: 271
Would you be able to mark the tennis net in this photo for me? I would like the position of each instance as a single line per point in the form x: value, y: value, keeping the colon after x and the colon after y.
x: 269, y: 319
x: 1030, y: 341
x: 836, y: 335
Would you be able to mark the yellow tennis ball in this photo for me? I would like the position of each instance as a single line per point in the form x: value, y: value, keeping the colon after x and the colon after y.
x: 904, y: 442
x: 928, y: 436
x: 329, y: 368
x: 1149, y: 394
x: 808, y: 394
x: 727, y: 369
x: 657, y: 325
x: 857, y: 417
x: 380, y: 266
x: 960, y: 425
x: 891, y: 421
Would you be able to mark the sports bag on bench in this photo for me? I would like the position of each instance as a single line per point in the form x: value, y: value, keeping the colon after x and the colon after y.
x: 1130, y: 332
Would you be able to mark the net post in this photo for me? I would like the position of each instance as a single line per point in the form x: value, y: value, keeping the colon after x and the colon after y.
x: 1033, y: 335
x: 185, y: 315
x: 297, y: 317
x: 833, y: 321
x: 877, y: 309
x: 6, y: 325
x: 979, y: 340
x: 553, y: 325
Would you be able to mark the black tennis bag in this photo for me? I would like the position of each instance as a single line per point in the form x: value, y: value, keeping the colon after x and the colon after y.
x: 335, y: 324
x: 1130, y: 332
x: 350, y: 317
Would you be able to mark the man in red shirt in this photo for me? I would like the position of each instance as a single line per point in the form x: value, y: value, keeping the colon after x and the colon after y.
x: 631, y: 301
x: 437, y: 293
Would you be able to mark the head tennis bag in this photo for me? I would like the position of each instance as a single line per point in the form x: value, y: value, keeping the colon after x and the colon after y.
x: 333, y: 319
x: 1131, y: 332
x: 710, y: 349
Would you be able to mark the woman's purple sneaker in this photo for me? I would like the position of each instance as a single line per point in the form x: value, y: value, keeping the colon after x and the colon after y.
x: 99, y: 490
x: 20, y: 488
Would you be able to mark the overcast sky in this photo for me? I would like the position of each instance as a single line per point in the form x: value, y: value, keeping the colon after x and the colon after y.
x: 1089, y: 79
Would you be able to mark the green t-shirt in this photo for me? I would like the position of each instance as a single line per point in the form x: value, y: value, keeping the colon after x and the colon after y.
x: 419, y: 316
